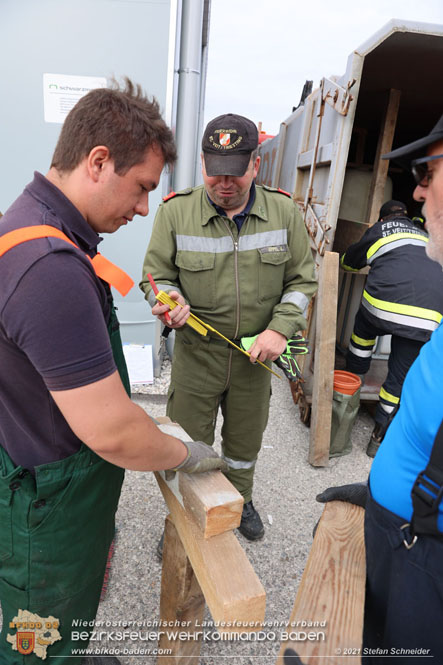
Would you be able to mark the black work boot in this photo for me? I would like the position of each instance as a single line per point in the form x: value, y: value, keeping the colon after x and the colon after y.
x: 160, y: 547
x: 375, y: 440
x: 98, y: 660
x: 251, y: 526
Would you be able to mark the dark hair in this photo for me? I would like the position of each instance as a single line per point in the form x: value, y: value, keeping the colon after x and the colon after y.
x: 122, y: 119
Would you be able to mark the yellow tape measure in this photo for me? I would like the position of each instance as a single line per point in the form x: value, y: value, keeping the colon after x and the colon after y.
x: 202, y: 327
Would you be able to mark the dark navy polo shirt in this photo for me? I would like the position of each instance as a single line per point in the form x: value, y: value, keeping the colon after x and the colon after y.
x: 53, y: 325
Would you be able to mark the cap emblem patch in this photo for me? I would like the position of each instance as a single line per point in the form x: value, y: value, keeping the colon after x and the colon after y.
x: 223, y: 139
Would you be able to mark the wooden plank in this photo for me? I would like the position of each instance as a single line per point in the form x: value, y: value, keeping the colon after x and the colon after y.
x: 332, y: 590
x: 325, y: 333
x: 214, y: 503
x: 231, y: 588
x: 182, y: 603
x: 385, y: 139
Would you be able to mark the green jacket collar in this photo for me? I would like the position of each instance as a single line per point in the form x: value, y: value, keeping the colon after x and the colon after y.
x: 258, y: 208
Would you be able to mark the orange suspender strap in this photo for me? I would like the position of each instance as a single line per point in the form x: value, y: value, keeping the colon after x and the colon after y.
x: 112, y: 274
x: 103, y: 268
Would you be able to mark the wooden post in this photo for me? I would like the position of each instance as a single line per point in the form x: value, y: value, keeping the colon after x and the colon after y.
x: 332, y: 590
x: 182, y: 603
x: 325, y: 333
x: 232, y: 590
x: 385, y: 139
x: 209, y: 498
x: 203, y: 560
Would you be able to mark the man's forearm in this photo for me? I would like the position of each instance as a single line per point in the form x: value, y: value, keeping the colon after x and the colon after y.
x: 104, y: 418
x: 139, y: 445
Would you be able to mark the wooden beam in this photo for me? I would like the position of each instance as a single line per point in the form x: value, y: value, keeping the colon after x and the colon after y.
x: 211, y: 500
x: 332, y: 590
x: 182, y: 603
x: 231, y: 588
x: 385, y: 139
x: 325, y: 334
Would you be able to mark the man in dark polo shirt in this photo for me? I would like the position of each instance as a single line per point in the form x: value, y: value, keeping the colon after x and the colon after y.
x: 67, y: 425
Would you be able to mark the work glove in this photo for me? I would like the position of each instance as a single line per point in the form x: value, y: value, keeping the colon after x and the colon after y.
x: 290, y: 657
x: 355, y: 493
x: 295, y: 346
x: 200, y: 458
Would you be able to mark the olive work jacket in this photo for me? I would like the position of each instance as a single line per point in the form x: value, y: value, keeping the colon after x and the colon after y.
x: 241, y: 283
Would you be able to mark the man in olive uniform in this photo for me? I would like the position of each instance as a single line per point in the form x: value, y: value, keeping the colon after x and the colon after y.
x: 67, y: 425
x: 238, y: 255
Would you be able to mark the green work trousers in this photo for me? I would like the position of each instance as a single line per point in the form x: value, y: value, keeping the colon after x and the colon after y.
x: 55, y: 532
x: 208, y: 374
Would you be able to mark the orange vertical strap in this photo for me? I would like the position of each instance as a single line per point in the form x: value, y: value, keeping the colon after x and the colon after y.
x: 112, y: 274
x: 103, y: 268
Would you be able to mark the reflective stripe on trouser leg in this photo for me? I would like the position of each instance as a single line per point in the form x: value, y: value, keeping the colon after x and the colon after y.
x: 206, y: 374
x: 361, y: 346
x: 403, y: 353
x: 245, y: 408
x: 48, y: 528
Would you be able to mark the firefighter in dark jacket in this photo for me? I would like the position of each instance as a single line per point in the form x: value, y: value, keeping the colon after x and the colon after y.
x: 403, y: 297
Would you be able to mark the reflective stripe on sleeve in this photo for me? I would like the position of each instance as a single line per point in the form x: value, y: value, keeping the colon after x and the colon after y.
x: 296, y: 298
x: 346, y: 267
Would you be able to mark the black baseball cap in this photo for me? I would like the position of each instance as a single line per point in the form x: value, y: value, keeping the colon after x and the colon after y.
x: 393, y: 208
x: 227, y: 144
x: 416, y: 148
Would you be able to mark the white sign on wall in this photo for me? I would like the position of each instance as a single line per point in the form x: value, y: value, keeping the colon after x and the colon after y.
x: 61, y: 92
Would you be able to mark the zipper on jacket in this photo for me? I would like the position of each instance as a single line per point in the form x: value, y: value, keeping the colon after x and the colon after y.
x: 237, y: 285
x: 237, y: 291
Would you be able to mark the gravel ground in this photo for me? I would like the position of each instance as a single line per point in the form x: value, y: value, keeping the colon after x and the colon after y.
x: 284, y: 494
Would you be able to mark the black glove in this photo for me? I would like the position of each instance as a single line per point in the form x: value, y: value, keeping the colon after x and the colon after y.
x: 290, y: 657
x: 355, y: 493
x: 200, y: 458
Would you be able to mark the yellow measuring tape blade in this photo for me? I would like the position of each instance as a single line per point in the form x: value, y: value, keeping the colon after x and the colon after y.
x: 202, y: 327
x: 165, y: 299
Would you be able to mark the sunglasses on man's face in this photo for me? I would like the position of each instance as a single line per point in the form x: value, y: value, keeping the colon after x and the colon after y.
x: 420, y: 171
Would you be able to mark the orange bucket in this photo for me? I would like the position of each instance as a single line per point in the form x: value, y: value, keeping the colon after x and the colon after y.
x: 346, y: 382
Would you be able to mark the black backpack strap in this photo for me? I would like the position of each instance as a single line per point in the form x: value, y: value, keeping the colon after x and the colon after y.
x: 427, y: 491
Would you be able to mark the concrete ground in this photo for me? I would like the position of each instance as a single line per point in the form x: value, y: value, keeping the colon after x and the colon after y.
x: 284, y: 494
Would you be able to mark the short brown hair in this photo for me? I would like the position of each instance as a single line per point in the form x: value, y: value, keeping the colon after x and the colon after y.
x: 122, y: 119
